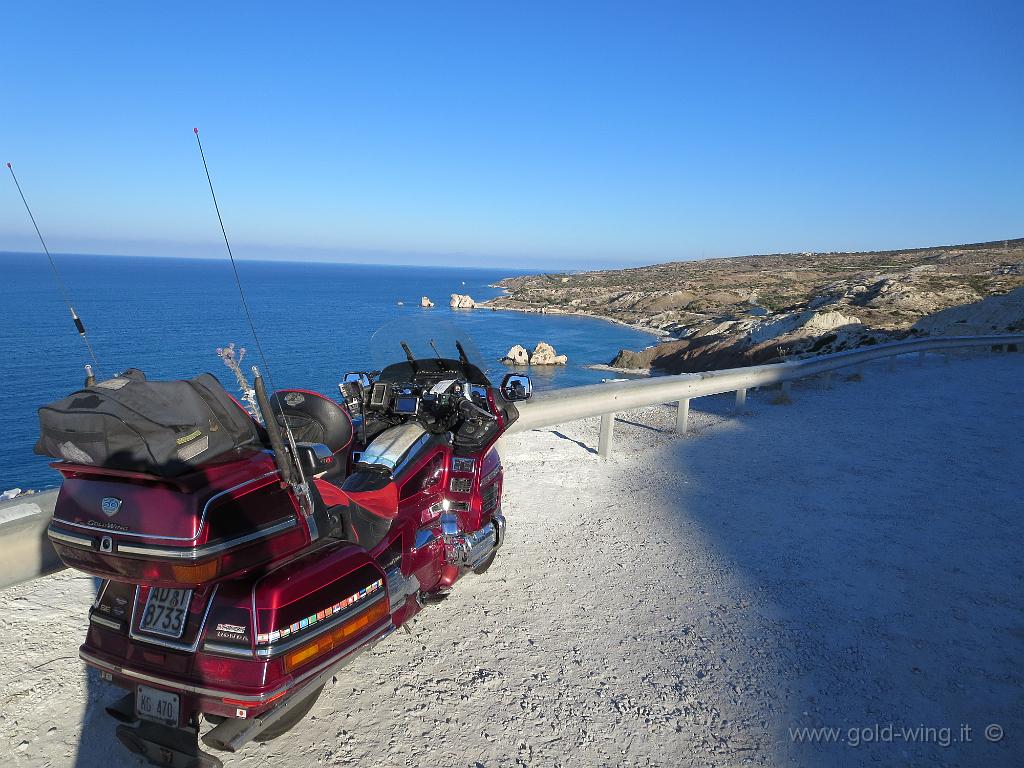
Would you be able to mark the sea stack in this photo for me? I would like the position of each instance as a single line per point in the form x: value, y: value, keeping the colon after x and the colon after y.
x: 462, y: 301
x: 517, y: 355
x: 426, y: 302
x: 544, y: 354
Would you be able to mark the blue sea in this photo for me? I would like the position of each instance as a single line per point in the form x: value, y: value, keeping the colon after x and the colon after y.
x: 168, y: 316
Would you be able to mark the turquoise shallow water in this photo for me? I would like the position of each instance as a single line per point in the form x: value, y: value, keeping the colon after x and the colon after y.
x: 168, y: 316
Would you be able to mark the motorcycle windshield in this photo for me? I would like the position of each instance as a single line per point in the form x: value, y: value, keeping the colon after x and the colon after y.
x: 434, y: 344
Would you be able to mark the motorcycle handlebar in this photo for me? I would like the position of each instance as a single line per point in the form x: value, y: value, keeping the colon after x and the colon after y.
x: 470, y: 410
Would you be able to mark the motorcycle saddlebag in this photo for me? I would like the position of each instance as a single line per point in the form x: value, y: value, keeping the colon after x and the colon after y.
x: 164, y: 428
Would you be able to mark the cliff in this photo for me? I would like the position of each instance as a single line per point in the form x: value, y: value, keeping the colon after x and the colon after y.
x: 746, y: 310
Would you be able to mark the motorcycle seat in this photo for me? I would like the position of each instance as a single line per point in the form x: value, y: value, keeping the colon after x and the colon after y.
x: 314, y: 418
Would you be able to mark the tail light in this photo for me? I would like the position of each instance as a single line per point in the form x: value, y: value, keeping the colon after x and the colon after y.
x: 251, y: 704
x: 232, y: 674
x: 142, y: 564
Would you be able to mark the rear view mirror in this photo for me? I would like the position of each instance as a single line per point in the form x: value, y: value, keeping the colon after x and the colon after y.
x: 362, y: 378
x: 516, y: 386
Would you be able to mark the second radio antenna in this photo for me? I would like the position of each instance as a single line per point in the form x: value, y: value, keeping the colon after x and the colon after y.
x: 79, y: 325
x: 227, y: 243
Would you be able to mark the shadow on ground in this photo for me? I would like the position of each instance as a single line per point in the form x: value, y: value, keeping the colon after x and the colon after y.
x: 877, y: 528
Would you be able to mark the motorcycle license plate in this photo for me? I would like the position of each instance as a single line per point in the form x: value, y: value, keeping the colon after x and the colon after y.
x: 156, y: 705
x: 166, y: 612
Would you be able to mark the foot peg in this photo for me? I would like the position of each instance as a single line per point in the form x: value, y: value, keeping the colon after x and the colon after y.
x: 434, y: 597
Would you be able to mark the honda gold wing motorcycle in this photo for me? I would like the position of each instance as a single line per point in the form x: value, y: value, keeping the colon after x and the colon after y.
x: 242, y: 563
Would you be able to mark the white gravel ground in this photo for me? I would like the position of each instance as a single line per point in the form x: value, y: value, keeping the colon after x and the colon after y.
x: 851, y: 560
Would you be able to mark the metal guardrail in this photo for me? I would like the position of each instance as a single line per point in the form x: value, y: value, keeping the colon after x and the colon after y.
x: 26, y: 553
x: 25, y: 550
x: 547, y: 409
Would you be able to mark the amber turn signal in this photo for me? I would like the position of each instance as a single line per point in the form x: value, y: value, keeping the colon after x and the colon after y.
x: 196, y: 574
x: 336, y: 637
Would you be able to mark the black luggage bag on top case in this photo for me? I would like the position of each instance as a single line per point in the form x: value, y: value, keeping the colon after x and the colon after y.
x: 163, y: 428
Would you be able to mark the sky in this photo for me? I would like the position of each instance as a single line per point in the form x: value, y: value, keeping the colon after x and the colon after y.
x: 531, y: 134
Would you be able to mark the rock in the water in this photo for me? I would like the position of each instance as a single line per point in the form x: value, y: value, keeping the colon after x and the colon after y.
x: 517, y: 356
x: 426, y: 302
x: 462, y: 301
x: 634, y: 361
x: 544, y: 354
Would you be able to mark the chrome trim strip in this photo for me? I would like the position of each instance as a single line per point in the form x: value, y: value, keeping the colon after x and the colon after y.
x: 69, y: 538
x: 88, y: 658
x: 228, y: 650
x: 104, y: 622
x: 198, y: 553
x: 202, y: 516
x: 269, y: 652
x: 190, y: 648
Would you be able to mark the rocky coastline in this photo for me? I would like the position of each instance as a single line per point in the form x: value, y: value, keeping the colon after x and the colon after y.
x: 723, y: 313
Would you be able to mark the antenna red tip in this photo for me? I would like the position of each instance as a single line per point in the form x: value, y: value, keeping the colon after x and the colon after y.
x: 8, y: 165
x: 196, y: 131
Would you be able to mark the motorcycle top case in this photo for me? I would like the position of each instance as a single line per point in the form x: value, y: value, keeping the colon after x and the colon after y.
x: 164, y: 428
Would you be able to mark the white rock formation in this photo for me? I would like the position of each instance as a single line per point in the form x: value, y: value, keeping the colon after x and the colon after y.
x: 517, y: 355
x: 807, y: 323
x: 426, y: 302
x: 544, y: 354
x: 462, y: 301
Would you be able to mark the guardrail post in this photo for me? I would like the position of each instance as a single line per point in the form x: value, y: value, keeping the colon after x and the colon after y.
x: 920, y: 358
x: 682, y: 415
x: 604, y: 443
x: 741, y: 399
x: 785, y: 389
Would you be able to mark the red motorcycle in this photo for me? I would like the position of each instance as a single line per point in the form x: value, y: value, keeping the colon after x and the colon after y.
x: 243, y: 563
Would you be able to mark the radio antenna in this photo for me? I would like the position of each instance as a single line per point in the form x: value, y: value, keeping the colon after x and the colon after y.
x: 79, y: 325
x: 234, y: 267
x: 267, y: 416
